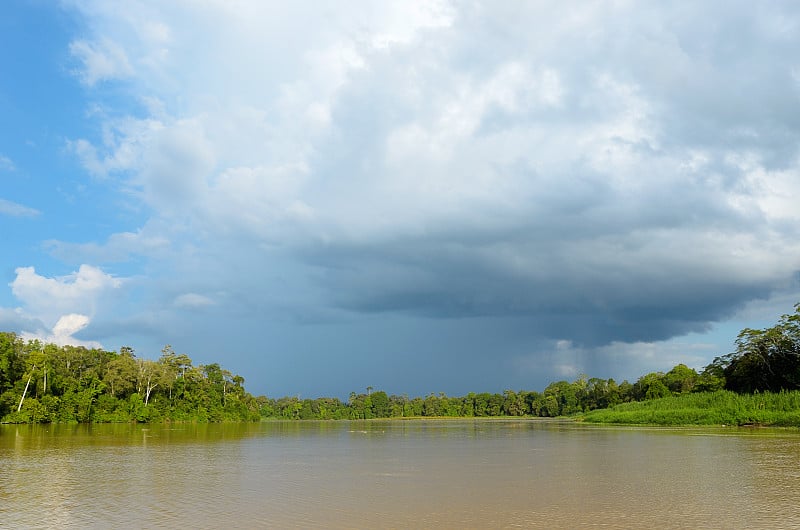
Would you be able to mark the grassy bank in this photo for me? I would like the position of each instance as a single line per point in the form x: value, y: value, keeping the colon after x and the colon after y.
x: 709, y: 408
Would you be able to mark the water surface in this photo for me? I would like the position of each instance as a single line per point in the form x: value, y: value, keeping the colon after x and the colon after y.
x: 397, y: 474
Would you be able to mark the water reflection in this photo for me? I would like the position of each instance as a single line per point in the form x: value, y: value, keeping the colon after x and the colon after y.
x: 388, y: 474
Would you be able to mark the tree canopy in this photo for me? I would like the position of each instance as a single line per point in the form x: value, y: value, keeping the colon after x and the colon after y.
x: 765, y: 359
x: 47, y: 383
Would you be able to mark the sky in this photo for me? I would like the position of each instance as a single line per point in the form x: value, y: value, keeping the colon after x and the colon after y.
x: 416, y: 196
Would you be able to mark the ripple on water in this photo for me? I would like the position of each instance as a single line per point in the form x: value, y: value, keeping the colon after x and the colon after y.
x: 410, y: 476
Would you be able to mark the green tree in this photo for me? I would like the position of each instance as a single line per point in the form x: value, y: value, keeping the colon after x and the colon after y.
x: 360, y: 406
x: 121, y: 373
x: 601, y: 393
x: 566, y: 398
x: 12, y: 365
x: 765, y: 359
x: 432, y: 406
x: 494, y: 405
x: 514, y: 403
x: 711, y: 379
x: 148, y: 377
x: 651, y: 386
x: 481, y: 403
x: 380, y: 404
x: 681, y: 379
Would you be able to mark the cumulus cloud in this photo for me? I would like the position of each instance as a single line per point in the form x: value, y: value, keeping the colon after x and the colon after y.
x: 49, y: 299
x: 56, y: 309
x: 63, y: 331
x: 70, y: 324
x: 619, y: 174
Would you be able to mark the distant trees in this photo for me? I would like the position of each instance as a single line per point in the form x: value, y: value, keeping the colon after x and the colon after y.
x: 47, y: 383
x: 69, y: 384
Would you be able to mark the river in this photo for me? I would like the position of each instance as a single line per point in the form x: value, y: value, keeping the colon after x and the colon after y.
x: 397, y: 474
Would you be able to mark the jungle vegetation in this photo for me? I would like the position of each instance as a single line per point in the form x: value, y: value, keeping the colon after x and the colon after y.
x: 758, y: 383
x: 43, y: 383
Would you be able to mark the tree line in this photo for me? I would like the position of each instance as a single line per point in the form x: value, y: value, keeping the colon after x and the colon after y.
x: 42, y: 383
x: 561, y: 398
x: 766, y: 360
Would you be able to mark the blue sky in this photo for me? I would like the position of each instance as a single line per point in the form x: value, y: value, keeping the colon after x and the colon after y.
x: 420, y: 196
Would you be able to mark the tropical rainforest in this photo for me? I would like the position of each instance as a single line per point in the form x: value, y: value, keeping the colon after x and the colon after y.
x: 759, y: 383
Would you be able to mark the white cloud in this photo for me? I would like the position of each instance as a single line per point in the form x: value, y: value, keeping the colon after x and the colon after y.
x: 192, y: 300
x: 150, y: 240
x: 648, y: 356
x: 102, y: 61
x: 381, y: 125
x: 48, y: 299
x: 63, y: 331
x: 16, y: 210
x: 70, y: 324
x: 123, y: 147
x: 618, y: 360
x: 6, y: 164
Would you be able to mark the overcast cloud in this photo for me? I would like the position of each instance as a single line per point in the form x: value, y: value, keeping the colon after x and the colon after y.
x: 427, y: 196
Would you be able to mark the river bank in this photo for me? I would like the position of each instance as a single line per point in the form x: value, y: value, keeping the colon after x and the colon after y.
x: 722, y: 407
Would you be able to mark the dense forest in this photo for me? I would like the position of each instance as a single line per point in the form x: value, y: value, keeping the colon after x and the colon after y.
x: 42, y: 383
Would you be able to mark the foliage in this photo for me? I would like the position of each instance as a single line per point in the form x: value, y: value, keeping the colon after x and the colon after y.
x: 46, y: 383
x: 765, y: 359
x: 722, y: 407
x: 43, y: 383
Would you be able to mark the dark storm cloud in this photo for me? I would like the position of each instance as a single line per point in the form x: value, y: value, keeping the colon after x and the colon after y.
x: 562, y: 292
x: 662, y: 237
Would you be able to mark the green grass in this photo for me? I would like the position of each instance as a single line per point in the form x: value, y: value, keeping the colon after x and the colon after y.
x: 708, y: 408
